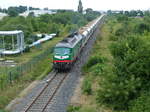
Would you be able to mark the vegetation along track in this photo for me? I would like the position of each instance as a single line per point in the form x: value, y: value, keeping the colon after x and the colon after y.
x: 46, y: 95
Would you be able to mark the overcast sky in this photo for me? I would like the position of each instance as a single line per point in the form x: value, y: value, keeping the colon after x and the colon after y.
x: 72, y: 4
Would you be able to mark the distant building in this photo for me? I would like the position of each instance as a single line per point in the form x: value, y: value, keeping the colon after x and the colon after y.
x: 116, y: 12
x: 37, y: 12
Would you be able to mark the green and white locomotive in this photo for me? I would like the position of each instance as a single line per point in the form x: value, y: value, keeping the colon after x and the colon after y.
x: 68, y: 50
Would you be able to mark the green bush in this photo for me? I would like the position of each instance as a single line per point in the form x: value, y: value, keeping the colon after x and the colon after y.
x: 87, y: 86
x: 141, y: 104
x: 73, y: 108
x: 80, y: 109
x: 130, y: 74
x: 117, y: 91
x: 140, y: 28
x: 113, y: 38
x: 3, y: 100
x: 93, y: 61
x: 97, y: 69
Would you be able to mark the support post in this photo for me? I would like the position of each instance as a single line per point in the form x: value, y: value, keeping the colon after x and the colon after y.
x: 13, y: 45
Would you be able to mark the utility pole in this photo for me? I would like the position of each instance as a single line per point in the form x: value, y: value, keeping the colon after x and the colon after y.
x: 80, y: 7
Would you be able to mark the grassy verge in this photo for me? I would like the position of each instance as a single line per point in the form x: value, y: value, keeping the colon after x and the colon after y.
x: 99, y: 60
x: 38, y: 72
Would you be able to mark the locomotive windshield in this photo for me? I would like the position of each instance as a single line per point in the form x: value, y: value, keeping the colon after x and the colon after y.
x: 62, y: 51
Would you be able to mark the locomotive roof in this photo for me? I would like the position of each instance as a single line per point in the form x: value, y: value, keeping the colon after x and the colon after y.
x: 70, y: 41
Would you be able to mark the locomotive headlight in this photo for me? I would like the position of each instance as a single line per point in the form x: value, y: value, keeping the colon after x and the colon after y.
x: 57, y: 57
x: 61, y: 57
x: 64, y: 57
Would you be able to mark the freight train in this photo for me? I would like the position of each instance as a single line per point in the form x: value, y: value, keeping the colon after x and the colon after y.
x: 68, y: 50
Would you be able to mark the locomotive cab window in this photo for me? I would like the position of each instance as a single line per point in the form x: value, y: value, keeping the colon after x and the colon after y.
x: 62, y: 51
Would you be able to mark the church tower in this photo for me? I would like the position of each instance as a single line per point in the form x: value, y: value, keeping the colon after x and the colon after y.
x: 80, y: 7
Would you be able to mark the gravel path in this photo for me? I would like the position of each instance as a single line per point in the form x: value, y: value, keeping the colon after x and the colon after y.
x: 62, y: 98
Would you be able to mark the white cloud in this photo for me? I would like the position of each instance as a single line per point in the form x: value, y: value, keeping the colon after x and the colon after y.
x: 72, y: 4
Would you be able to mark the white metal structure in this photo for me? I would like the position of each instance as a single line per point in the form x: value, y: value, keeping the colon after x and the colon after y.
x: 19, y: 47
x: 47, y: 37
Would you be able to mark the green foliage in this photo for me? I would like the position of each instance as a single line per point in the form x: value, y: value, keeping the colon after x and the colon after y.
x: 93, y: 61
x: 141, y: 104
x: 87, y: 109
x: 122, y: 18
x: 97, y: 69
x: 132, y: 13
x: 131, y: 72
x: 90, y: 14
x: 19, y: 9
x: 4, y: 100
x: 3, y: 81
x: 12, y: 13
x: 117, y: 91
x: 141, y: 27
x: 2, y: 110
x: 95, y: 66
x: 31, y: 14
x: 87, y: 86
x: 130, y: 75
x: 113, y: 38
x: 80, y: 109
x: 73, y: 108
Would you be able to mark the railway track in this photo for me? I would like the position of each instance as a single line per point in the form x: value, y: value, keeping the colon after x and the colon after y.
x: 40, y: 103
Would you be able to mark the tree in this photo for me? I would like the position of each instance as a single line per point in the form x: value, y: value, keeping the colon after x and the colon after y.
x: 46, y: 8
x: 133, y: 13
x: 140, y: 13
x: 109, y: 12
x: 31, y: 14
x: 80, y: 7
x: 90, y: 14
x: 89, y: 10
x: 127, y: 13
x: 12, y: 12
x: 21, y: 9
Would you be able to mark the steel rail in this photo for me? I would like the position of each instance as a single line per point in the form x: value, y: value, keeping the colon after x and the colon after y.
x: 56, y: 88
x: 44, y: 88
x: 54, y: 93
